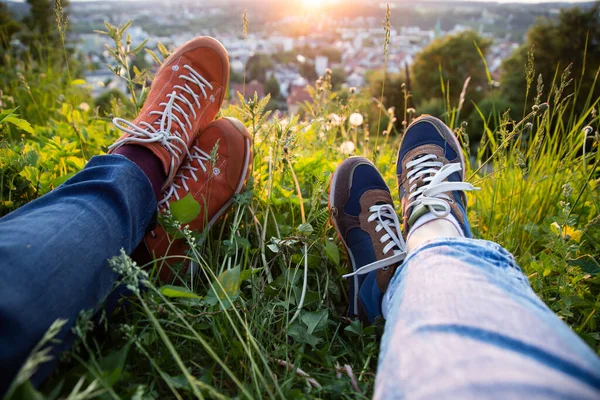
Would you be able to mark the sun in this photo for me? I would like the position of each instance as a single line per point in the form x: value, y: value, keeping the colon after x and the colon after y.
x: 312, y: 3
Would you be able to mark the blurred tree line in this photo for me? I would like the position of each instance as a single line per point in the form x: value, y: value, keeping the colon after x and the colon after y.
x: 447, y: 76
x: 450, y: 74
x: 37, y: 32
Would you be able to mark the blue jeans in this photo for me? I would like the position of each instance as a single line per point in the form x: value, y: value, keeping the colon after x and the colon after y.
x: 54, y: 251
x: 463, y: 323
x: 462, y: 319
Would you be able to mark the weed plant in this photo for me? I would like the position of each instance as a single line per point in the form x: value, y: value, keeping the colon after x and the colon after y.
x: 266, y: 315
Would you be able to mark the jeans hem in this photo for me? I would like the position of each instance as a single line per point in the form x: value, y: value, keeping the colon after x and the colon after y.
x: 450, y: 241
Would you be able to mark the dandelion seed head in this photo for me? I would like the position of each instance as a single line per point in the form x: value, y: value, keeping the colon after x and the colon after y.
x: 335, y: 119
x: 347, y: 147
x: 356, y: 119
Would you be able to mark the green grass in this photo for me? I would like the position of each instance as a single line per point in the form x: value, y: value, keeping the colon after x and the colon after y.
x: 237, y: 329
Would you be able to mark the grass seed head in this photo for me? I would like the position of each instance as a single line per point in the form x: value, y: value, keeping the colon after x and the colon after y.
x: 387, y: 26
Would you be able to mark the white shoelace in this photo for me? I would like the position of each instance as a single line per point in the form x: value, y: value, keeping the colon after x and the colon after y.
x: 387, y: 220
x: 146, y: 133
x: 188, y: 172
x: 433, y: 193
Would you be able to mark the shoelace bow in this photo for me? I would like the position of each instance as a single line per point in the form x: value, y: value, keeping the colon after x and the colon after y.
x: 188, y: 171
x: 146, y: 133
x: 433, y: 194
x: 387, y: 221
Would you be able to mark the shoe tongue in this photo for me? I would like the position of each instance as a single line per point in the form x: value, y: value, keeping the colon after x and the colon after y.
x: 375, y: 197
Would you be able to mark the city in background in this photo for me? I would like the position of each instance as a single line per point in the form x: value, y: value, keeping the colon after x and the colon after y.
x: 288, y: 45
x: 528, y: 119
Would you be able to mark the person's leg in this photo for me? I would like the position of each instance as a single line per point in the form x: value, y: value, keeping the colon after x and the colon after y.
x: 463, y: 322
x: 54, y: 251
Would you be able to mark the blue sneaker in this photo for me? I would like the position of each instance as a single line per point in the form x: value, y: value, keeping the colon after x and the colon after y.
x: 431, y: 173
x: 364, y: 217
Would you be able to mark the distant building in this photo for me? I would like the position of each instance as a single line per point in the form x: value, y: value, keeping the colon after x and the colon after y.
x: 321, y: 64
x: 355, y: 80
x: 251, y: 88
x: 298, y: 96
x: 237, y: 66
x: 287, y: 76
x: 104, y: 80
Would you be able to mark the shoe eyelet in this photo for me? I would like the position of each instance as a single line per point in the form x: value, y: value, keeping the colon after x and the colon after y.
x: 212, y: 98
x: 334, y: 211
x: 216, y: 171
x: 175, y: 67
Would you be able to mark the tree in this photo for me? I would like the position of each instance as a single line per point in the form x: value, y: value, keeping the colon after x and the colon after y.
x: 433, y: 106
x: 41, y: 17
x: 307, y: 70
x: 272, y: 87
x: 393, y: 96
x: 8, y: 26
x: 257, y: 66
x: 492, y: 108
x: 458, y: 59
x: 42, y: 33
x: 338, y: 77
x: 572, y: 39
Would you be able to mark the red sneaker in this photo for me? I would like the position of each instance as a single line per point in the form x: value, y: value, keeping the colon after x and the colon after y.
x: 186, y: 95
x: 212, y: 183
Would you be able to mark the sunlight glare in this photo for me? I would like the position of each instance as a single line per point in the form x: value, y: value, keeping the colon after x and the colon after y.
x: 312, y: 3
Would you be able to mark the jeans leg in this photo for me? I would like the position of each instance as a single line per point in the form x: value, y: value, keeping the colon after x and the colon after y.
x: 464, y: 323
x: 54, y: 251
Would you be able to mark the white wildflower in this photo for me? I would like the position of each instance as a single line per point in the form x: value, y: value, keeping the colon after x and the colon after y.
x: 335, y: 119
x: 356, y: 119
x: 347, y: 147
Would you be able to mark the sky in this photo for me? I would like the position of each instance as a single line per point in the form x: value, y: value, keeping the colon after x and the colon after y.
x: 489, y: 1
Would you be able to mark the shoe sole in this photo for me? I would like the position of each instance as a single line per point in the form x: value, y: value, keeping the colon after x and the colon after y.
x: 202, y: 41
x: 337, y: 230
x: 194, y: 267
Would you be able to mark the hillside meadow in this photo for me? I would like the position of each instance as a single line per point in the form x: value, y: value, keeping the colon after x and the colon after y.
x: 266, y: 315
